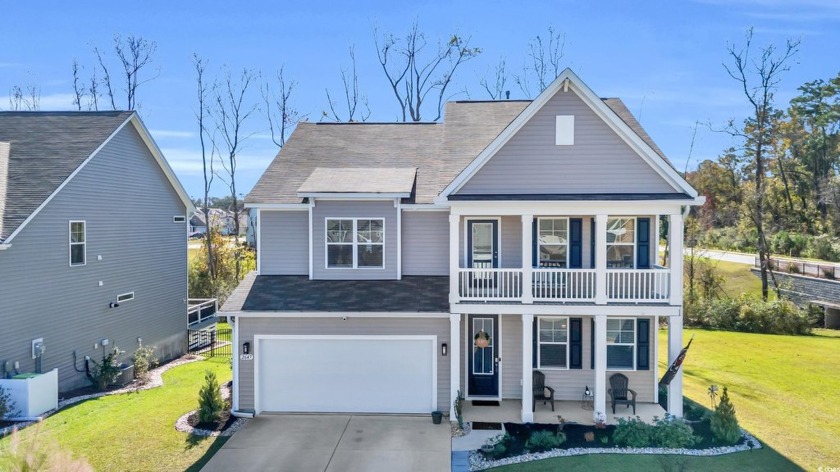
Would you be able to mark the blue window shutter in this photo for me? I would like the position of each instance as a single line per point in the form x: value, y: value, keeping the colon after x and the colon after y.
x: 643, y: 243
x: 592, y: 343
x: 643, y: 344
x: 534, y: 342
x: 575, y: 243
x: 576, y: 343
x: 592, y: 244
x: 535, y: 248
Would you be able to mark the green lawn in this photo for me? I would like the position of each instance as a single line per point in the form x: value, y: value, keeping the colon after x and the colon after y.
x: 739, y: 279
x: 136, y: 431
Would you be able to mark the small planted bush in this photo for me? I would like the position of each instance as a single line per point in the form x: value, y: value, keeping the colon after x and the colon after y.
x: 144, y: 360
x: 667, y: 432
x: 541, y: 441
x: 724, y: 424
x: 210, y: 402
x: 108, y: 371
x: 632, y: 433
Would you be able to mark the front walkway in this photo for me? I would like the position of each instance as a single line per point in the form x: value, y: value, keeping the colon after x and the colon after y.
x: 510, y: 410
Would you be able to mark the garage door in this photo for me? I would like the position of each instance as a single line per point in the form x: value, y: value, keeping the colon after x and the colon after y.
x: 353, y: 374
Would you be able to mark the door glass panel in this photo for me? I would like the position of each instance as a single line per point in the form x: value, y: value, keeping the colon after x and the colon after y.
x: 483, y: 346
x: 482, y: 245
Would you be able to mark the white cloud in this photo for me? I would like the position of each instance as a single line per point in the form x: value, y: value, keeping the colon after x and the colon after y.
x: 167, y: 133
x: 188, y: 162
x: 51, y: 102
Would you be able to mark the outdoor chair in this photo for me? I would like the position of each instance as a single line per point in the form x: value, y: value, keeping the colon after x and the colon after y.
x: 540, y: 391
x: 619, y: 392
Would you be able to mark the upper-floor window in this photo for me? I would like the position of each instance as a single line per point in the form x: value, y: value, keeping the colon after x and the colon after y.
x: 78, y: 243
x: 355, y: 243
x: 621, y: 343
x: 554, y: 242
x: 621, y: 242
x: 553, y: 349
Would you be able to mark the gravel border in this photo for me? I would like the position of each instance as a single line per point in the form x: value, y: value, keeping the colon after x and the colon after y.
x: 478, y: 462
x: 183, y: 425
x: 155, y: 380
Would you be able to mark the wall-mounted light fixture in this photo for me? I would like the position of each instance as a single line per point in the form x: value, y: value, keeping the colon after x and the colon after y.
x: 587, y: 392
x: 113, y: 305
x: 246, y: 348
x: 444, y: 349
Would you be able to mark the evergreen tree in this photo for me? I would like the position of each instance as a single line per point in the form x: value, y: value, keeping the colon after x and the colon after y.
x: 724, y: 424
x: 210, y: 403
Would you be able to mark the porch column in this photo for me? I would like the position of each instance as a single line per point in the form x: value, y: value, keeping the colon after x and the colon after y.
x: 454, y: 361
x: 234, y: 320
x: 600, y: 259
x: 527, y: 259
x: 527, y: 369
x: 600, y: 400
x: 454, y: 233
x: 675, y: 323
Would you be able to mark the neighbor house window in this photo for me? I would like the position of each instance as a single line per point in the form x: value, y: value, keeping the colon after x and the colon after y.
x: 355, y: 243
x: 77, y: 243
x: 621, y: 243
x: 553, y: 340
x: 554, y: 242
x: 621, y: 343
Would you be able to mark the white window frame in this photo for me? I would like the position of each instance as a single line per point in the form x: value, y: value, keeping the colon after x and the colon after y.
x: 125, y: 297
x: 633, y: 244
x: 540, y: 244
x: 354, y: 243
x: 179, y: 219
x: 634, y: 344
x: 540, y: 342
x: 71, y: 243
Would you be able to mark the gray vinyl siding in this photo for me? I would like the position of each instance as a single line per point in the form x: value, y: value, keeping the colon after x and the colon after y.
x: 511, y: 356
x: 425, y: 243
x: 354, y: 209
x: 249, y: 327
x: 128, y: 206
x: 285, y: 242
x: 511, y: 242
x: 599, y: 161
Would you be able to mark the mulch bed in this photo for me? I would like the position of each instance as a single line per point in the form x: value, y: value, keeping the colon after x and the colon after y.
x: 4, y: 424
x: 225, y: 421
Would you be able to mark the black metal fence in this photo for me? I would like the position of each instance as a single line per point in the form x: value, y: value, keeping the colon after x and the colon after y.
x: 211, y: 341
x: 806, y: 268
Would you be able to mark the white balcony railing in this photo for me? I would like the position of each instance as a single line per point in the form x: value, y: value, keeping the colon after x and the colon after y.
x: 642, y: 285
x: 490, y: 284
x: 564, y: 285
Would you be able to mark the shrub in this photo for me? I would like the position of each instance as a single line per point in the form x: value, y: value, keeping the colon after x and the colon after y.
x: 823, y: 247
x: 724, y: 424
x: 202, y: 285
x: 6, y: 404
x: 107, y: 372
x: 632, y: 433
x: 144, y: 360
x: 751, y: 315
x: 210, y: 402
x: 541, y: 441
x: 672, y: 433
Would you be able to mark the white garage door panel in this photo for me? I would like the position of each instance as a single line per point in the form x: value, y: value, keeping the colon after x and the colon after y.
x: 347, y: 374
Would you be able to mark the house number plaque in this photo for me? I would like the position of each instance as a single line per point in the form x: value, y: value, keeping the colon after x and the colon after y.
x: 246, y: 357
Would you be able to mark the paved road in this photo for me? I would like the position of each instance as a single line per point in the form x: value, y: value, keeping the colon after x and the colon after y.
x: 737, y: 257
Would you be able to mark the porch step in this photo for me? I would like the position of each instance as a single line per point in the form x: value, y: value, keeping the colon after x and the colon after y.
x: 460, y: 461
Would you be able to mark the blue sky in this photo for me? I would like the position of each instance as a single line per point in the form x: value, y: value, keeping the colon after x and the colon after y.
x: 664, y: 59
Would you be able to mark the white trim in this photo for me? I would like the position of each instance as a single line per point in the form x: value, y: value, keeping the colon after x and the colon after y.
x: 539, y: 342
x: 332, y: 314
x: 279, y: 206
x: 561, y: 309
x: 527, y: 366
x: 258, y: 237
x: 4, y: 246
x: 655, y: 357
x: 179, y: 219
x: 354, y: 244
x: 466, y: 227
x: 311, y: 206
x: 71, y: 243
x: 399, y: 239
x: 571, y: 208
x: 387, y: 337
x: 635, y: 343
x: 599, y: 108
x: 567, y: 244
x: 236, y: 361
x: 424, y: 207
x: 497, y: 344
x: 634, y: 244
x: 128, y: 294
x: 354, y: 196
x: 454, y: 359
x: 153, y: 149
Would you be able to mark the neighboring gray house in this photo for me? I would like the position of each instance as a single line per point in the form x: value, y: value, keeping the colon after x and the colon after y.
x: 398, y: 263
x: 72, y: 272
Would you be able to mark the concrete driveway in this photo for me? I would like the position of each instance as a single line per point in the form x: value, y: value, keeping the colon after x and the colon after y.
x: 336, y: 443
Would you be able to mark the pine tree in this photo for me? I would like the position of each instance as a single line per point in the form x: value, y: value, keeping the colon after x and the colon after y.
x: 724, y: 424
x: 210, y: 402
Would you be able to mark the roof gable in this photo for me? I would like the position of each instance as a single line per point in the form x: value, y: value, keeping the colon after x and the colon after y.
x: 527, y: 147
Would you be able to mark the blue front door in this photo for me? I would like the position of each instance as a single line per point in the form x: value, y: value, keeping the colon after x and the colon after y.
x: 482, y: 342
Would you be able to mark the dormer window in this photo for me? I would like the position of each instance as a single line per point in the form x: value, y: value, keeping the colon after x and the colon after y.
x: 355, y: 243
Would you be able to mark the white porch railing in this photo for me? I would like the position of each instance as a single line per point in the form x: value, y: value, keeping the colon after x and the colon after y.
x: 642, y: 285
x: 490, y: 284
x: 564, y: 285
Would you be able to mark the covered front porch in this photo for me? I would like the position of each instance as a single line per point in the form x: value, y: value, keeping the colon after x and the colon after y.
x: 510, y: 411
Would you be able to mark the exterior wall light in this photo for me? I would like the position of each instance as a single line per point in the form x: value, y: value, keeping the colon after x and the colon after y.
x: 246, y: 348
x: 444, y: 349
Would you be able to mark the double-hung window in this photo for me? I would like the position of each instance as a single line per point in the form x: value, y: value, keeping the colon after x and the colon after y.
x: 355, y: 243
x: 621, y: 243
x: 553, y: 346
x: 554, y: 242
x: 78, y: 243
x: 621, y: 343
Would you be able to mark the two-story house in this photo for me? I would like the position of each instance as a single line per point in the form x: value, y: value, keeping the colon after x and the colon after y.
x: 399, y: 263
x: 76, y: 277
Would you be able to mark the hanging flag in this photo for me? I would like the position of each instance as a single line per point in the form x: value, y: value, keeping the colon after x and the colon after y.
x: 675, y: 367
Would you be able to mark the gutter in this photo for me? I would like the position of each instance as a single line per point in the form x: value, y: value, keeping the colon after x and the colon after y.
x: 242, y: 414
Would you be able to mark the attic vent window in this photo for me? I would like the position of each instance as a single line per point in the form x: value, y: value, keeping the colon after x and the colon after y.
x: 565, y: 132
x: 179, y: 219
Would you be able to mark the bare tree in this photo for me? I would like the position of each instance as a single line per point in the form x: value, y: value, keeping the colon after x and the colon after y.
x: 27, y: 97
x: 497, y: 87
x: 233, y: 108
x: 759, y: 78
x: 413, y: 73
x: 134, y: 54
x: 200, y: 66
x: 352, y: 98
x: 282, y: 116
x: 78, y: 88
x: 543, y: 62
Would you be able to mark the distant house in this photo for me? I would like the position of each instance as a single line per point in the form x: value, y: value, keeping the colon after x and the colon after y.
x: 75, y: 277
x: 221, y: 220
x: 197, y: 223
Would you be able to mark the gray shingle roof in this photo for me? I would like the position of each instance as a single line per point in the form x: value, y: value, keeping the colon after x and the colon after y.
x: 439, y: 151
x: 360, y: 180
x: 299, y: 294
x: 44, y: 149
